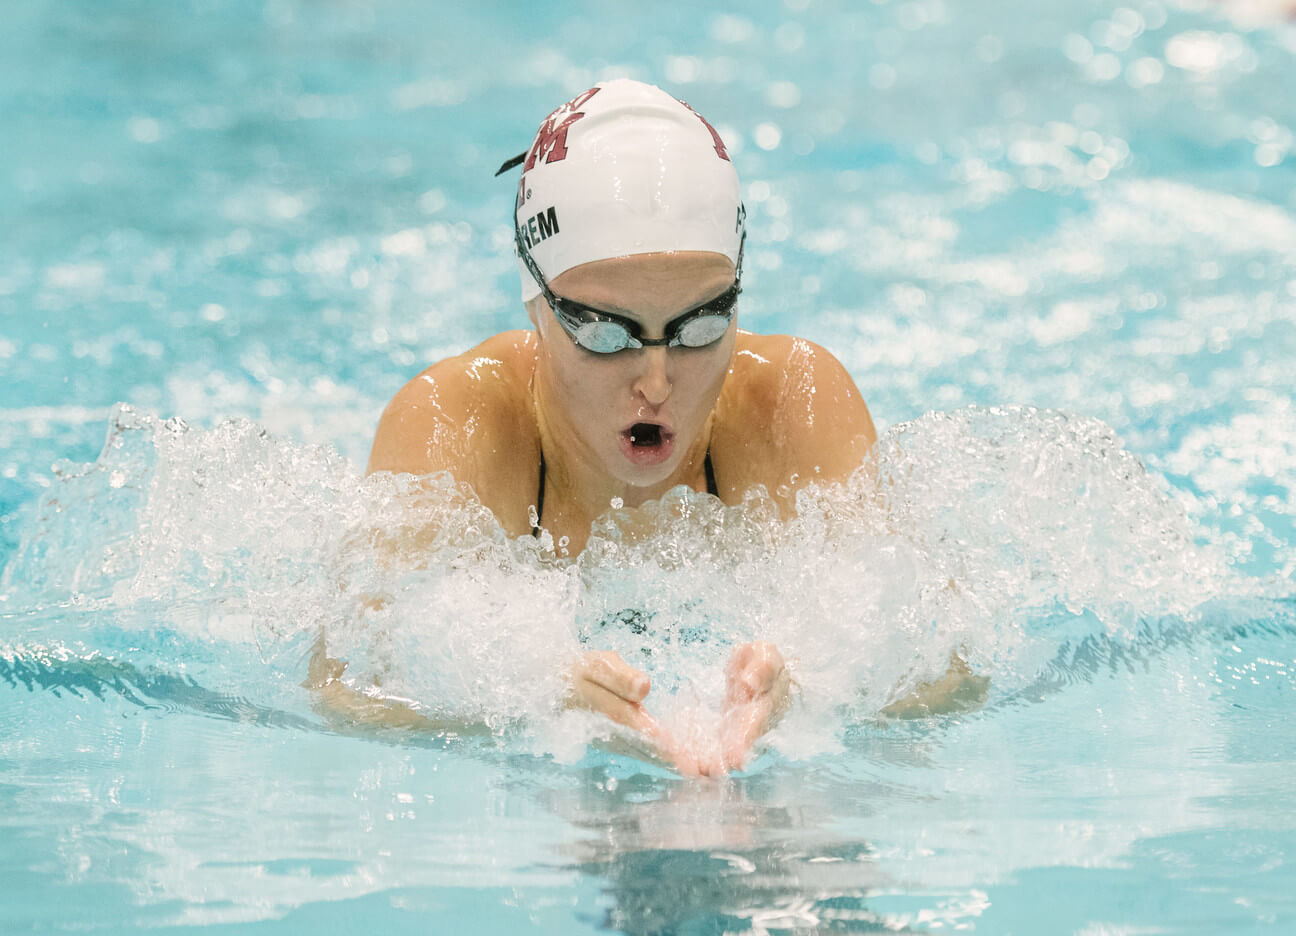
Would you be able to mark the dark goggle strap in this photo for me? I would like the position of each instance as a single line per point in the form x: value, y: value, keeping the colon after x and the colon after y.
x: 510, y: 163
x: 529, y: 261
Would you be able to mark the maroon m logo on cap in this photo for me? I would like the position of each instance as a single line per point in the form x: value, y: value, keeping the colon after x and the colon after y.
x: 551, y: 140
x: 715, y: 137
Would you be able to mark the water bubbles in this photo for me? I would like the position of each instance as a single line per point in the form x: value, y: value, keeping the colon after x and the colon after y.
x: 1097, y: 169
x: 789, y: 37
x: 285, y: 206
x: 1144, y: 72
x: 410, y: 242
x: 731, y: 29
x: 1268, y: 155
x: 1127, y: 22
x: 882, y: 76
x: 783, y: 94
x: 433, y: 92
x: 989, y: 49
x: 912, y: 16
x: 1086, y: 114
x: 416, y: 584
x: 76, y: 276
x: 683, y: 69
x: 1272, y: 141
x: 1077, y: 48
x: 767, y: 136
x: 733, y: 140
x: 1204, y: 53
x: 1153, y: 13
x: 144, y: 129
x: 1090, y: 142
x: 1103, y: 67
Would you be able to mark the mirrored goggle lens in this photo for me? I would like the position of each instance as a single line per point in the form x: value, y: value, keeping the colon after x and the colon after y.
x: 701, y: 330
x: 602, y: 337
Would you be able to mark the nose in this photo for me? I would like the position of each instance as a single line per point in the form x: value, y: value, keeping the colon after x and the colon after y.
x: 652, y: 382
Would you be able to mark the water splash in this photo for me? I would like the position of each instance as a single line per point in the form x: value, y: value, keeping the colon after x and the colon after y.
x: 998, y: 534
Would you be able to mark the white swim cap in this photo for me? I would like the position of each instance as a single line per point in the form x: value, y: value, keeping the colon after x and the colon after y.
x: 621, y: 169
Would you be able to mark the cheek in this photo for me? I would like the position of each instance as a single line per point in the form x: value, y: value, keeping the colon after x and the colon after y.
x: 584, y: 385
x: 705, y: 373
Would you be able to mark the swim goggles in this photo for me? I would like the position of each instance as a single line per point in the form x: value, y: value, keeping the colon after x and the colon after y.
x: 605, y: 333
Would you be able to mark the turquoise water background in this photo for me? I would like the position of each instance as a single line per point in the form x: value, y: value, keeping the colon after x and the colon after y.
x: 1053, y: 243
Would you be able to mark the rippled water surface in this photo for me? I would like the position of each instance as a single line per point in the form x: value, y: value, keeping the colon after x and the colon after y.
x: 1055, y: 244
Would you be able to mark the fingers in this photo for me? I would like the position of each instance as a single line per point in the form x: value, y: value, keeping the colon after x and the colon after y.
x: 766, y: 666
x: 753, y: 670
x: 686, y: 762
x: 632, y: 715
x: 321, y: 668
x: 738, y: 660
x: 758, y: 693
x: 605, y: 668
x: 692, y: 761
x: 741, y: 729
x: 603, y: 682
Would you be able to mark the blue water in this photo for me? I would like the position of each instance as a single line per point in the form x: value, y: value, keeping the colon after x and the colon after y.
x: 1054, y: 244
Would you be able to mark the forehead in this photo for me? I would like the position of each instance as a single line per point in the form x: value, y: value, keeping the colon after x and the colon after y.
x: 648, y: 285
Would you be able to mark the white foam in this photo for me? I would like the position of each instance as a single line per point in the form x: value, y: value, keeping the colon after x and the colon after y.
x: 983, y: 526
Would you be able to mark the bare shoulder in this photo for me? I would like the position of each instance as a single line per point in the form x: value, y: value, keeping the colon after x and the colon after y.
x: 446, y: 417
x: 795, y: 382
x: 790, y: 408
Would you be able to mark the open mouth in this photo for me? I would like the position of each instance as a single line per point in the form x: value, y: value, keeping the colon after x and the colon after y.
x: 647, y: 444
x: 644, y: 435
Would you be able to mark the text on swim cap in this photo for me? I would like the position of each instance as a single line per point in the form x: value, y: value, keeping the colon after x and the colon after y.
x: 539, y: 227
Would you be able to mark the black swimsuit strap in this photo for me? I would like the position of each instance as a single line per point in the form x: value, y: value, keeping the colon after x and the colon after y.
x: 712, y: 488
x: 535, y: 530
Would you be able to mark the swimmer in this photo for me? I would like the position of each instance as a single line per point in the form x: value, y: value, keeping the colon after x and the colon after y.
x: 635, y: 379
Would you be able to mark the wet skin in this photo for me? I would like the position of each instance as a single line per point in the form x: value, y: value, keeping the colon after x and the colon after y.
x: 773, y: 410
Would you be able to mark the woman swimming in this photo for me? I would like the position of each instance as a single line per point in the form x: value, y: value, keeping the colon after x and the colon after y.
x: 629, y: 231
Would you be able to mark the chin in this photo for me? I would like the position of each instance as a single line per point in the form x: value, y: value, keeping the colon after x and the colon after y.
x: 644, y: 476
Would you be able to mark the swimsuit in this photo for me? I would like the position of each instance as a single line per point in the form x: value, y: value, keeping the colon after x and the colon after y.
x: 540, y: 490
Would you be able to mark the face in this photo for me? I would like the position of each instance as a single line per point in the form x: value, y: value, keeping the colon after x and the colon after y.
x: 637, y: 412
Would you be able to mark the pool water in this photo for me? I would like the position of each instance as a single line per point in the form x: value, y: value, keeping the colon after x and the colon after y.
x: 1054, y: 244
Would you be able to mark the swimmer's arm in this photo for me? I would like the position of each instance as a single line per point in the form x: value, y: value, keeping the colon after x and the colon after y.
x: 425, y: 427
x: 823, y: 425
x: 458, y: 412
x: 600, y: 682
x: 959, y: 690
x: 345, y: 707
x: 468, y: 416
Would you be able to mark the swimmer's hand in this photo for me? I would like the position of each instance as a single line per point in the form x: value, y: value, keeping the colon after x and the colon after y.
x: 959, y: 690
x: 757, y: 693
x: 345, y: 708
x: 602, y: 682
